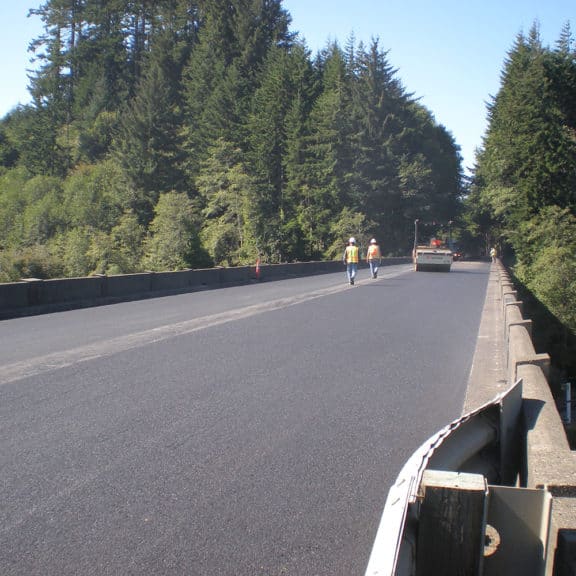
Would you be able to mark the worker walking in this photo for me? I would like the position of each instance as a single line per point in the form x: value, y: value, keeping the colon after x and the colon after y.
x: 350, y: 259
x: 493, y: 253
x: 374, y: 257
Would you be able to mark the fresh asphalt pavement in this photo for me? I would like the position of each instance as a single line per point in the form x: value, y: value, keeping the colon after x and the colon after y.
x: 252, y: 430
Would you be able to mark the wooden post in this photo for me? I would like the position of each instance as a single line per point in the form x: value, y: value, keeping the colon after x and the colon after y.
x: 451, y: 525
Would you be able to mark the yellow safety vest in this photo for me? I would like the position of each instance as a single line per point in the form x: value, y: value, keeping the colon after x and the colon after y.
x: 352, y: 254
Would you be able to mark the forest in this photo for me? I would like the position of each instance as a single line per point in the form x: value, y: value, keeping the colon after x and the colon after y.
x: 523, y: 193
x: 175, y: 134
x: 178, y: 134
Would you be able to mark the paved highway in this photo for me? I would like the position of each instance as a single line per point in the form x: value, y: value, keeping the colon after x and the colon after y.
x: 246, y: 431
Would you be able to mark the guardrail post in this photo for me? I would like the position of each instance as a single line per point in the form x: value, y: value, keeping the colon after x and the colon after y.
x: 452, y: 524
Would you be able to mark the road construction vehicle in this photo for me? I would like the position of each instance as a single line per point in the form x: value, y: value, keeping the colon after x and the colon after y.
x: 432, y: 255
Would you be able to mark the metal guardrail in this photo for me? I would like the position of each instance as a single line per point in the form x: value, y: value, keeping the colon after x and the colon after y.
x: 482, y: 443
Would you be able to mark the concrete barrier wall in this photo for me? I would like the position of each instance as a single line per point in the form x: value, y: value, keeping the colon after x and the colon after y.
x: 35, y: 296
x: 169, y: 281
x: 14, y: 295
x: 54, y: 291
x: 548, y: 460
x: 127, y: 285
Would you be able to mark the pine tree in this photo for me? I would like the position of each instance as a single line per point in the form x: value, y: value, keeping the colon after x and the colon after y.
x: 35, y: 133
x: 297, y: 235
x: 267, y: 149
x: 102, y: 80
x: 379, y: 102
x: 52, y: 84
x: 528, y: 153
x: 148, y: 146
x: 525, y: 177
x: 225, y: 188
x: 210, y: 87
x: 223, y: 70
x: 328, y: 158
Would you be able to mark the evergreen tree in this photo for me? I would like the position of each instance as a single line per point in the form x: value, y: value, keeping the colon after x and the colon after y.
x: 51, y: 84
x: 148, y: 146
x: 431, y: 175
x: 379, y: 103
x: 36, y: 137
x: 328, y: 158
x: 210, y: 89
x: 102, y: 80
x: 524, y: 183
x: 528, y: 153
x: 173, y: 243
x: 298, y: 242
x: 267, y: 128
x: 228, y: 215
x: 562, y: 69
x: 222, y: 73
x: 8, y: 149
x: 212, y: 102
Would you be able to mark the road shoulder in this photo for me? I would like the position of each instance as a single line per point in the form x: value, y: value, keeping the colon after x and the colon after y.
x: 488, y: 372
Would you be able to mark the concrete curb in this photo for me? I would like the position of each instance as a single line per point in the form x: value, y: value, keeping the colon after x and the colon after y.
x: 488, y: 373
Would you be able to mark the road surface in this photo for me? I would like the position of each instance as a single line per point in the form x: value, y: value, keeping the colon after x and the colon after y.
x: 246, y: 431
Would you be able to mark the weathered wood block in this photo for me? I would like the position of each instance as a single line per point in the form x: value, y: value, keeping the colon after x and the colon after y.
x: 451, y: 526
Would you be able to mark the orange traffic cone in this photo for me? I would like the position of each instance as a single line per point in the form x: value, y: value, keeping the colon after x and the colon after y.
x: 258, y: 269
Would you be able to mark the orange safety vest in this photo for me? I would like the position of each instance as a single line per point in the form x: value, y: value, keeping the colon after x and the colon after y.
x: 352, y: 254
x: 373, y: 252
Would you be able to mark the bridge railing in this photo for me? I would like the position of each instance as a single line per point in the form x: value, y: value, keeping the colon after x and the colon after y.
x: 549, y: 462
x: 504, y: 470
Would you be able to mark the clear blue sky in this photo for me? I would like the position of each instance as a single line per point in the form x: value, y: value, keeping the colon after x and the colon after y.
x: 449, y: 53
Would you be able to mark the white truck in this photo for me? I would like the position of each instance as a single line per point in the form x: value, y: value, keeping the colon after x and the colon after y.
x: 432, y: 256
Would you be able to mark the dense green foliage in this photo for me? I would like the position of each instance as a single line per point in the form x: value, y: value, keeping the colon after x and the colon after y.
x: 523, y: 197
x: 186, y: 133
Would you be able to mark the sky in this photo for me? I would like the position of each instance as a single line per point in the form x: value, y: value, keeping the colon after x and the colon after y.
x: 447, y: 53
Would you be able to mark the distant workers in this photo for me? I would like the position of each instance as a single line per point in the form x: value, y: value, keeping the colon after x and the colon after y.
x: 374, y: 257
x: 350, y: 259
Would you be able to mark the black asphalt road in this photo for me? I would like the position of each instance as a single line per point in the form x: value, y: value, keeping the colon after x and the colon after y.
x: 244, y: 431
